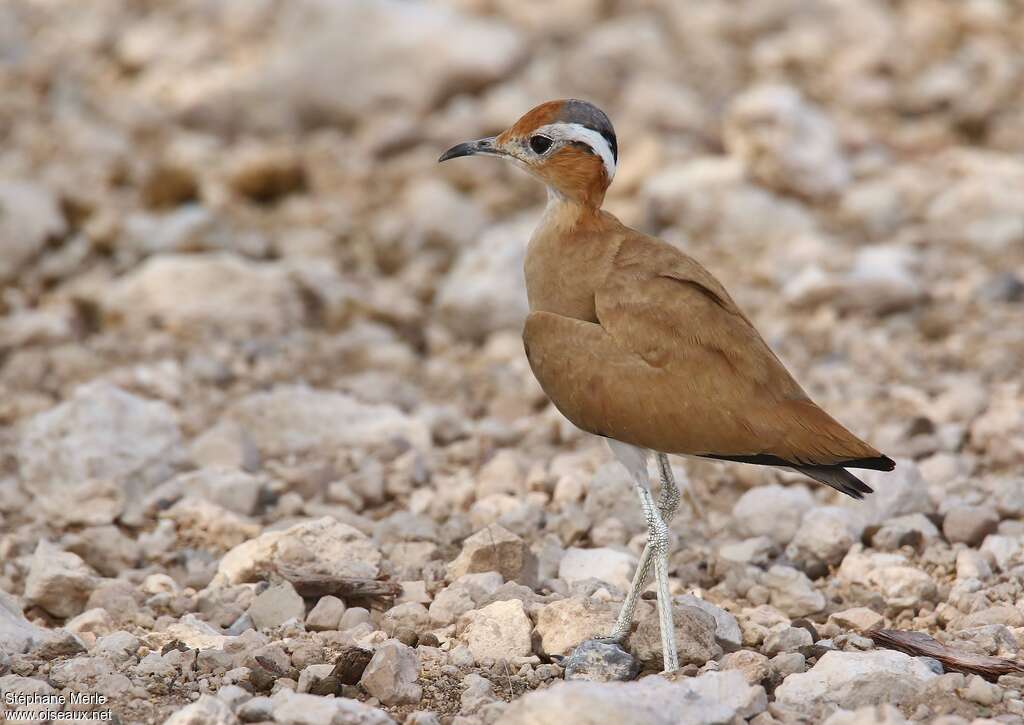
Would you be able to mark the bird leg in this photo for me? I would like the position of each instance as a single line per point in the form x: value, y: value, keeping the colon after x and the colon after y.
x: 668, y: 503
x: 656, y: 552
x: 657, y: 539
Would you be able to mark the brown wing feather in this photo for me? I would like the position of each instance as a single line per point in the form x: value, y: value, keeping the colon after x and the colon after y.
x: 673, y: 365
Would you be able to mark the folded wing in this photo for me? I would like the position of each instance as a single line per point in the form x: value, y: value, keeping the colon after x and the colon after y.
x: 672, y: 364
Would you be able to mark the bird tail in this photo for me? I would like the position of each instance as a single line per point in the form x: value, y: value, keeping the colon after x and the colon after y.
x: 838, y: 478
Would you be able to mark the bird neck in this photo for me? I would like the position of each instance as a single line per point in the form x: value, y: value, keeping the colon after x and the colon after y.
x: 563, y: 213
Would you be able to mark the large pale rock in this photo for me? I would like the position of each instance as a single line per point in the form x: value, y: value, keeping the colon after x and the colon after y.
x: 714, y: 698
x: 977, y: 207
x: 495, y: 548
x: 208, y: 525
x: 324, y: 547
x: 710, y: 199
x: 462, y: 595
x: 727, y: 629
x: 277, y: 605
x: 857, y: 619
x: 196, y: 634
x: 31, y: 688
x: 792, y: 592
x: 695, y: 632
x: 891, y: 575
x: 854, y: 679
x: 291, y: 708
x: 913, y: 529
x: 969, y: 524
x: 392, y: 673
x: 293, y: 78
x: 499, y: 631
x: 608, y: 565
x: 901, y: 491
x: 869, y: 715
x: 16, y: 633
x: 564, y: 624
x: 881, y: 280
x: 996, y: 431
x: 98, y: 451
x: 825, y: 535
x: 610, y: 486
x: 59, y: 581
x: 485, y: 290
x: 230, y: 488
x: 215, y: 292
x: 774, y: 511
x: 207, y: 710
x: 785, y: 141
x: 1004, y: 550
x: 298, y: 419
x: 754, y: 666
x: 435, y: 214
x: 29, y: 216
x: 326, y: 615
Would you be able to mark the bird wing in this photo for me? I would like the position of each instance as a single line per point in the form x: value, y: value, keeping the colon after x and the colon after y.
x: 672, y: 364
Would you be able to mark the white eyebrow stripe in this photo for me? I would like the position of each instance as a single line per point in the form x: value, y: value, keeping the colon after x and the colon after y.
x: 578, y: 132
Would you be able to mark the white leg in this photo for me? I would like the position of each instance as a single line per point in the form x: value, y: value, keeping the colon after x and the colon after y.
x: 668, y: 504
x: 658, y: 539
x: 635, y: 460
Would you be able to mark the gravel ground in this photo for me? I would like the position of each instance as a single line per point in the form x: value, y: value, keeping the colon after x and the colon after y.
x: 270, y: 450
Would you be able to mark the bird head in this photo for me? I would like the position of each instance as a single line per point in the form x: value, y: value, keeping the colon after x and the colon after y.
x: 569, y: 145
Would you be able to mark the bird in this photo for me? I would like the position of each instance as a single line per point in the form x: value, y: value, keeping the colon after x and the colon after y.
x: 635, y: 341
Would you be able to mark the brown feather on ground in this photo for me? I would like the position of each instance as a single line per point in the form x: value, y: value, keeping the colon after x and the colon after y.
x: 919, y: 644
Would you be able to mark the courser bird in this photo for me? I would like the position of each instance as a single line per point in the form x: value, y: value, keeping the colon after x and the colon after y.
x: 635, y: 341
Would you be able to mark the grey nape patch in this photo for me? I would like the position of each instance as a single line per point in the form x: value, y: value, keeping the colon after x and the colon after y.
x: 590, y: 116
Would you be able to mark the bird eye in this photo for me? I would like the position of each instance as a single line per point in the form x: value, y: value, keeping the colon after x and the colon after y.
x: 540, y: 144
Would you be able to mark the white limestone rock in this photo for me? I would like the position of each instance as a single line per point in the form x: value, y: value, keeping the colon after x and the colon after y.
x: 292, y: 79
x: 392, y: 673
x: 564, y: 624
x: 901, y: 491
x: 495, y: 548
x: 713, y: 698
x: 216, y: 292
x: 97, y: 452
x: 826, y: 533
x: 277, y: 605
x: 320, y: 547
x: 792, y: 592
x: 58, y: 581
x: 207, y: 710
x: 901, y: 584
x: 296, y: 420
x: 786, y: 142
x: 292, y: 708
x: 485, y: 290
x: 774, y: 511
x: 30, y: 215
x: 606, y: 564
x: 854, y: 679
x: 500, y: 631
x: 17, y: 634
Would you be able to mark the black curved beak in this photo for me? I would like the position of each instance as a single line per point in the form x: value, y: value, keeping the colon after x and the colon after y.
x: 472, y: 148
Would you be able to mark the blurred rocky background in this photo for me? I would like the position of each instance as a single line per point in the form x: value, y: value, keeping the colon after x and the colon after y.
x: 270, y: 450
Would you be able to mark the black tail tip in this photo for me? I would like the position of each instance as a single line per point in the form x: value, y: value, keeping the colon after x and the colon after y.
x: 858, y: 489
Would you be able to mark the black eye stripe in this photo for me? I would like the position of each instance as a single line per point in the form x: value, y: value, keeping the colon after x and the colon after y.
x: 612, y: 144
x: 584, y: 146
